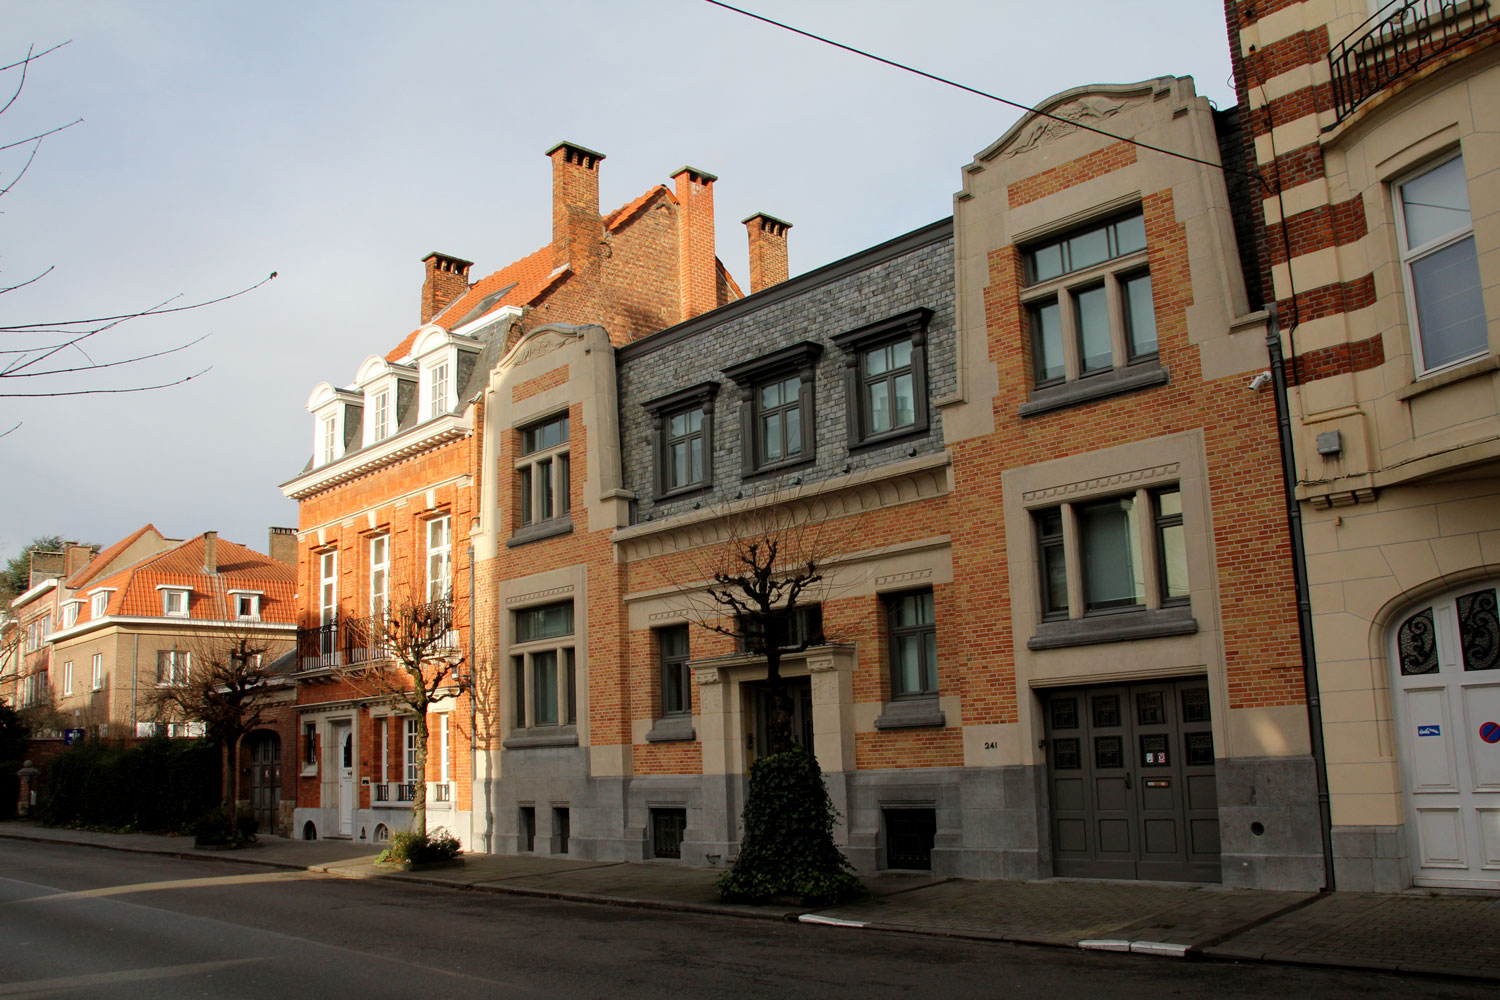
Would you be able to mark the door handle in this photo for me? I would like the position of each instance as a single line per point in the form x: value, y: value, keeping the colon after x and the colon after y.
x: 1128, y: 784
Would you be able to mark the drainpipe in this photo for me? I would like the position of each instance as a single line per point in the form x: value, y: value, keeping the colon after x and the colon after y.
x: 1304, y: 597
x: 135, y: 687
x: 474, y: 716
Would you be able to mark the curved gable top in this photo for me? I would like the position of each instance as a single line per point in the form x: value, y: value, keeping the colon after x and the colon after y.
x: 371, y: 369
x: 432, y: 337
x: 1094, y: 105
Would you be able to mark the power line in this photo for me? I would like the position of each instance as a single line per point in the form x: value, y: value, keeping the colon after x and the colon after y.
x: 985, y: 94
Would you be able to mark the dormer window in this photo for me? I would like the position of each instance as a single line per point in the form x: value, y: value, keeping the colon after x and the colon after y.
x: 245, y: 605
x: 380, y: 416
x: 174, y: 601
x: 437, y: 390
x: 388, y: 390
x: 70, y: 613
x: 338, y: 416
x: 99, y: 603
x: 329, y: 448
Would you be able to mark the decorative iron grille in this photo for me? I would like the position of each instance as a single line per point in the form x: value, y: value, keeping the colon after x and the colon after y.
x: 1397, y: 40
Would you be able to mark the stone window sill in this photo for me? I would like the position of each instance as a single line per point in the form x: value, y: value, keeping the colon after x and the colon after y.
x: 1118, y: 627
x: 672, y: 729
x: 1459, y: 373
x: 911, y: 713
x: 542, y: 529
x: 1115, y: 382
x: 542, y: 736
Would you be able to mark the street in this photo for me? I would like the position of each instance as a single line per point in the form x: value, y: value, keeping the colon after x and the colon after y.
x: 81, y: 921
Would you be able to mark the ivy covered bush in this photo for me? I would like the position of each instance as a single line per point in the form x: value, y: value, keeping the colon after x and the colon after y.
x: 161, y: 786
x: 788, y: 847
x: 421, y: 849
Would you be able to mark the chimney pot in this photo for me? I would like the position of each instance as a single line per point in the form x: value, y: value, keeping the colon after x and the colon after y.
x: 283, y: 545
x: 447, y: 279
x: 768, y: 257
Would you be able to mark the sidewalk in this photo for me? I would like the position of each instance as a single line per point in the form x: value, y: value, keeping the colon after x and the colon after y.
x: 1453, y: 935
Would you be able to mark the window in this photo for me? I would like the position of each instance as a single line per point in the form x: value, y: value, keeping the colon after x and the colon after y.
x: 172, y: 667
x: 437, y: 386
x: 676, y: 676
x: 443, y: 748
x: 99, y: 603
x: 413, y: 762
x: 1444, y: 302
x: 667, y: 828
x: 246, y: 604
x: 329, y: 446
x: 96, y: 683
x: 68, y: 677
x: 913, y: 643
x: 1132, y: 554
x: 543, y: 666
x: 174, y: 602
x: 885, y: 377
x: 776, y: 407
x: 802, y: 628
x: 36, y: 631
x: 542, y: 472
x: 1090, y: 313
x: 439, y: 550
x: 309, y: 744
x: 327, y: 588
x: 683, y: 432
x: 380, y: 416
x: 70, y: 613
x: 380, y: 574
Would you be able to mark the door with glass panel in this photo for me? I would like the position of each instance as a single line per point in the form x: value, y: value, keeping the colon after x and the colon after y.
x: 1447, y: 658
x: 1131, y: 782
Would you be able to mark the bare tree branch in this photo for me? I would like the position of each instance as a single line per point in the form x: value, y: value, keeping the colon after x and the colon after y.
x: 153, y: 311
x: 7, y: 373
x: 92, y: 392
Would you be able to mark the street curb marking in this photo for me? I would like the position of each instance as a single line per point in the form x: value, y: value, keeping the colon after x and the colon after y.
x: 1165, y: 949
x: 1104, y: 944
x: 813, y: 918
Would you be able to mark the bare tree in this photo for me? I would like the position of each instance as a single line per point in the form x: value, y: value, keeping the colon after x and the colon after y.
x: 52, y: 354
x: 408, y: 657
x: 229, y: 681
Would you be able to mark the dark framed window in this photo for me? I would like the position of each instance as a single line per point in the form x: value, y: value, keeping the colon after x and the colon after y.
x: 544, y: 666
x: 309, y: 743
x: 912, y: 632
x: 1044, y: 319
x: 885, y: 377
x: 667, y: 828
x: 676, y: 676
x: 1086, y: 247
x: 797, y: 629
x: 544, y: 483
x: 1110, y: 541
x: 1171, y: 545
x: 776, y: 408
x: 1053, y: 562
x: 1139, y: 312
x: 683, y: 433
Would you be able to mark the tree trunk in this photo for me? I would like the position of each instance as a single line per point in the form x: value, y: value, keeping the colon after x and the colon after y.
x: 419, y: 788
x: 779, y: 724
x: 232, y: 775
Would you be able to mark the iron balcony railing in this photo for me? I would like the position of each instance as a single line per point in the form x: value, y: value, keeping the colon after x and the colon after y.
x: 403, y: 791
x: 1397, y: 40
x: 353, y: 641
x: 442, y: 792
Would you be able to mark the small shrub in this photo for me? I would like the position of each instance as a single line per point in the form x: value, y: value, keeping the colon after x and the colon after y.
x: 421, y: 849
x: 788, y: 848
x: 219, y: 828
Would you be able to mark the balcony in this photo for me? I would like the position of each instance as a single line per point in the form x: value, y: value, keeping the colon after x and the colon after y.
x: 1397, y: 41
x: 351, y: 642
x: 403, y: 792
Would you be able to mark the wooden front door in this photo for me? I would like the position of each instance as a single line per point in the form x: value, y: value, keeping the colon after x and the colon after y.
x: 265, y: 779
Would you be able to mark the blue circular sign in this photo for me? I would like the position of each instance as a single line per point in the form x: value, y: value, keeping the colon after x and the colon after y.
x: 1490, y: 732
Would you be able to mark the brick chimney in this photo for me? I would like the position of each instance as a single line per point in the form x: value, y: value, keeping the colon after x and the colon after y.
x: 77, y: 557
x: 283, y: 545
x: 447, y: 279
x: 210, y: 552
x: 576, y: 226
x: 697, y: 267
x: 768, y: 262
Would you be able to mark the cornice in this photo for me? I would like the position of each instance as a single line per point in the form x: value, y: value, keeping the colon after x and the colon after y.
x: 423, y: 437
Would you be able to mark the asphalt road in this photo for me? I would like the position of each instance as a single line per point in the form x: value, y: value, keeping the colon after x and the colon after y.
x: 85, y: 922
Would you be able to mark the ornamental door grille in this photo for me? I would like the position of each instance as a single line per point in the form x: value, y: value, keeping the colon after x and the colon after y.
x: 1447, y: 693
x: 265, y: 779
x: 1130, y: 774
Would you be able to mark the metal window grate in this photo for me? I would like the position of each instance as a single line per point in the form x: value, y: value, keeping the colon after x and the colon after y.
x: 667, y: 826
x: 909, y: 836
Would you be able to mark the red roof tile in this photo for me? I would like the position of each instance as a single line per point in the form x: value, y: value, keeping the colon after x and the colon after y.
x: 104, y: 558
x: 239, y: 568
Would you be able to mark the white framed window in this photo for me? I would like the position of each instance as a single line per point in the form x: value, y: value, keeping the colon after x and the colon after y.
x: 439, y: 561
x: 174, y: 601
x: 36, y: 630
x: 172, y: 666
x: 1444, y: 300
x: 380, y: 575
x: 413, y: 761
x: 96, y: 682
x: 385, y: 750
x: 245, y: 604
x: 380, y: 416
x: 328, y: 595
x: 99, y: 603
x: 67, y: 677
x: 328, y: 447
x: 70, y: 613
x: 443, y: 748
x: 543, y: 472
x: 438, y: 381
x: 543, y: 666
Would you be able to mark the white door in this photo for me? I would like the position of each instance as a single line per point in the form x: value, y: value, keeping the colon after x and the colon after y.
x: 343, y: 748
x: 1447, y: 657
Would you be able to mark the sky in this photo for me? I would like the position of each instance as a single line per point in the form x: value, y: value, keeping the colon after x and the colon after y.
x: 338, y: 143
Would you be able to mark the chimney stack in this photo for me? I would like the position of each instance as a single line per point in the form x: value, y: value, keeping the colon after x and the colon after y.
x: 283, y: 545
x: 768, y: 261
x: 78, y: 556
x: 697, y: 266
x: 447, y: 279
x: 210, y: 552
x: 576, y: 226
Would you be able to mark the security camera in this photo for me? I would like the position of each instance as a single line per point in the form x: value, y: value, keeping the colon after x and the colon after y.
x: 1261, y: 382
